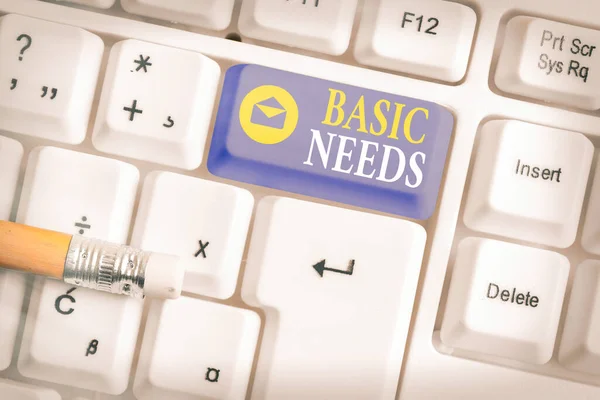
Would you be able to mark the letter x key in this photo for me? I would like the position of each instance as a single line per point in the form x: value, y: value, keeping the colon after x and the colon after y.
x: 203, y: 246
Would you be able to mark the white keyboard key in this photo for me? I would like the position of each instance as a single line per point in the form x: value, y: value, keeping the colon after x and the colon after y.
x: 78, y: 337
x: 580, y: 343
x: 193, y: 349
x: 505, y: 300
x: 528, y: 182
x: 11, y: 153
x: 12, y: 293
x: 205, y: 223
x: 48, y: 78
x: 12, y: 390
x: 320, y: 25
x: 393, y: 34
x: 590, y: 239
x: 74, y: 336
x: 148, y: 112
x: 337, y: 287
x: 94, y: 195
x: 12, y: 285
x: 210, y: 14
x: 93, y: 3
x: 550, y: 61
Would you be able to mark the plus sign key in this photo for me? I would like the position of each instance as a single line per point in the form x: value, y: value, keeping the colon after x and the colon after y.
x: 156, y: 104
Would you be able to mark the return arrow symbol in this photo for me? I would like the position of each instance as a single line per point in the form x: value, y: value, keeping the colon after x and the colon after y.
x: 320, y: 268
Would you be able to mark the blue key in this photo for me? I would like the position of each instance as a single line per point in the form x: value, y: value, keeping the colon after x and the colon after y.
x: 330, y: 140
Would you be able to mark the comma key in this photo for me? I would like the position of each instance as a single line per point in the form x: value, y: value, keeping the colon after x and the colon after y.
x: 45, y: 98
x: 330, y: 140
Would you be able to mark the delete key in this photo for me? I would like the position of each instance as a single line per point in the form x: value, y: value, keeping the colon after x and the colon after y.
x: 329, y: 140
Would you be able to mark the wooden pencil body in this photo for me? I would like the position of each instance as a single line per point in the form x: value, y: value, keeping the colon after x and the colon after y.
x: 33, y: 250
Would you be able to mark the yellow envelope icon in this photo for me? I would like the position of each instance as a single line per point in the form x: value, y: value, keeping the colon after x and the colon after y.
x: 269, y: 113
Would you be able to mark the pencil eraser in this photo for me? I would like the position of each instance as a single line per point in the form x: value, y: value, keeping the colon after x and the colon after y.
x: 164, y: 276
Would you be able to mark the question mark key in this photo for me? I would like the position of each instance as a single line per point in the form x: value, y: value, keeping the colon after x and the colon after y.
x: 27, y: 40
x: 39, y: 85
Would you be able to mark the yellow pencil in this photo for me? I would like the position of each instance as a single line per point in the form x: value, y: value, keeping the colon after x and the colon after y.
x: 89, y: 263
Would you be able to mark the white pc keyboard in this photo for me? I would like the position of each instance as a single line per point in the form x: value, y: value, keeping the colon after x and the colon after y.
x: 374, y: 199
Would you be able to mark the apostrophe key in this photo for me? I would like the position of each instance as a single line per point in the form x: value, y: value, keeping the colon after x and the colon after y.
x: 330, y: 140
x: 51, y: 102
